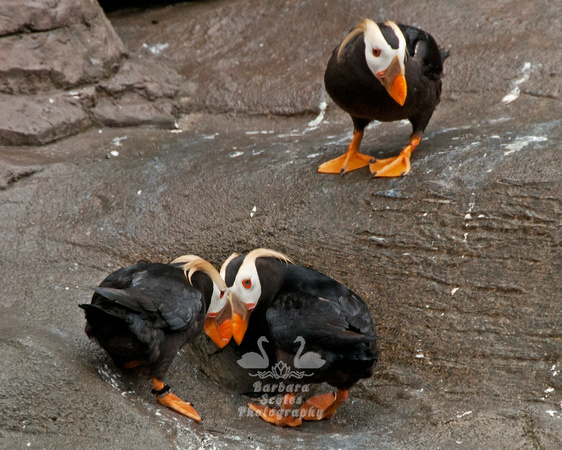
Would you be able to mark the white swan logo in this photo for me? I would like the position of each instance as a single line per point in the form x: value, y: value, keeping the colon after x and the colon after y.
x: 281, y: 370
x: 253, y: 360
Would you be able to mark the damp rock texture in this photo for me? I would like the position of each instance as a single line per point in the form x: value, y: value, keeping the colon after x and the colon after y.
x: 459, y: 262
x: 63, y: 69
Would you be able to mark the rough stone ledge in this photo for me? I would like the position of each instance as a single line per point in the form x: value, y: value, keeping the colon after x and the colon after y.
x: 62, y: 58
x: 10, y: 174
x: 63, y: 69
x: 40, y: 119
x: 21, y: 16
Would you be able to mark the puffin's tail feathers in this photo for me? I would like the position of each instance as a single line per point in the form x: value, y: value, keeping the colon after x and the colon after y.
x: 101, y: 322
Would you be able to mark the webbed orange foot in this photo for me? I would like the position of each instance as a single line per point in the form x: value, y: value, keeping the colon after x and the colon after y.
x: 351, y: 160
x: 397, y: 166
x: 345, y: 163
x: 322, y: 406
x: 280, y: 417
x: 172, y: 401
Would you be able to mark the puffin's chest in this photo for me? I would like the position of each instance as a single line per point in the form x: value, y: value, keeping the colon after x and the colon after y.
x: 355, y: 89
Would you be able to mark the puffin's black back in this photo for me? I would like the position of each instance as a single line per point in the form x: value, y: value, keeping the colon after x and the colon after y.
x: 422, y: 46
x: 333, y: 321
x: 355, y: 89
x: 147, y: 312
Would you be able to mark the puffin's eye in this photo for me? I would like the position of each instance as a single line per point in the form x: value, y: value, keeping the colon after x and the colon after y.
x: 247, y: 283
x: 377, y: 52
x: 222, y: 294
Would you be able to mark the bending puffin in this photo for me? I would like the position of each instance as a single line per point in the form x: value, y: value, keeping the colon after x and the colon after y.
x: 142, y: 315
x: 283, y: 308
x: 384, y: 72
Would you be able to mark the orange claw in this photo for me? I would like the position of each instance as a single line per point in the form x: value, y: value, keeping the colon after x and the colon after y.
x: 177, y: 404
x: 131, y: 364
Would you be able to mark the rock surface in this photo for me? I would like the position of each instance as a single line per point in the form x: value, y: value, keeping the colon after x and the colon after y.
x: 459, y: 261
x: 55, y: 50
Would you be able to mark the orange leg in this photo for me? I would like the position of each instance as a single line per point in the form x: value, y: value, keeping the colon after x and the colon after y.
x: 399, y: 165
x: 351, y: 160
x: 281, y: 417
x: 131, y: 364
x: 166, y: 398
x: 322, y: 406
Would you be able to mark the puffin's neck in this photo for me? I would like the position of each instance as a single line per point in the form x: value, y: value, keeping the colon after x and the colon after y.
x: 272, y: 274
x: 203, y: 283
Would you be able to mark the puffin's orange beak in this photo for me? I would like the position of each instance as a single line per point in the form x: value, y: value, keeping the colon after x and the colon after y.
x: 241, y: 318
x: 218, y: 326
x: 394, y: 81
x: 398, y: 89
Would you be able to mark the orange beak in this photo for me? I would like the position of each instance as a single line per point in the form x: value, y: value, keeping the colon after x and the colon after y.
x: 218, y: 326
x: 240, y: 320
x: 394, y: 81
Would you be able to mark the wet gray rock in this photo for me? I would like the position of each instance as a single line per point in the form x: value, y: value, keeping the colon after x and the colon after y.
x: 458, y: 262
x: 12, y: 173
x: 52, y: 50
x: 20, y: 16
x: 39, y: 119
x: 129, y: 111
x: 78, y: 53
x: 141, y: 93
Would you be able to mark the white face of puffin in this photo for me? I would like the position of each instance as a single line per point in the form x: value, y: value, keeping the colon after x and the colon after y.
x: 245, y: 292
x: 385, y: 62
x: 218, y: 301
x: 247, y: 287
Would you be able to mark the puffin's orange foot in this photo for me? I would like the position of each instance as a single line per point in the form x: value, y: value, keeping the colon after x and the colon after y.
x: 177, y: 404
x: 315, y: 407
x: 322, y: 406
x: 166, y: 398
x: 279, y: 417
x: 131, y: 364
x: 397, y: 166
x: 345, y: 163
x: 391, y: 167
x: 351, y: 160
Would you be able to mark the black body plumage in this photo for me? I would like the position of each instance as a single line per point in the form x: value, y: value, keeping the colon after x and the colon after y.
x: 334, y: 322
x: 355, y: 89
x: 146, y: 313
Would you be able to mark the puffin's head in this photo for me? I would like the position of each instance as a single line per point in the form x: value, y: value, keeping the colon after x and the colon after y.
x: 245, y: 287
x: 385, y: 55
x: 218, y: 322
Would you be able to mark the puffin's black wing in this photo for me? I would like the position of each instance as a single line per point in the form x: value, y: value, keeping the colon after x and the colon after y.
x: 158, y: 294
x: 421, y: 46
x: 323, y: 323
x: 145, y: 312
x: 175, y: 313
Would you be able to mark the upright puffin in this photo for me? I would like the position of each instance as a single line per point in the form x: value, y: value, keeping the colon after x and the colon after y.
x: 142, y: 315
x: 279, y: 308
x: 384, y: 72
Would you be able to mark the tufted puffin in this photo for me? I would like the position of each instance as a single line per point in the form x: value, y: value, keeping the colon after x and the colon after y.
x: 280, y: 308
x: 384, y: 72
x: 142, y: 315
